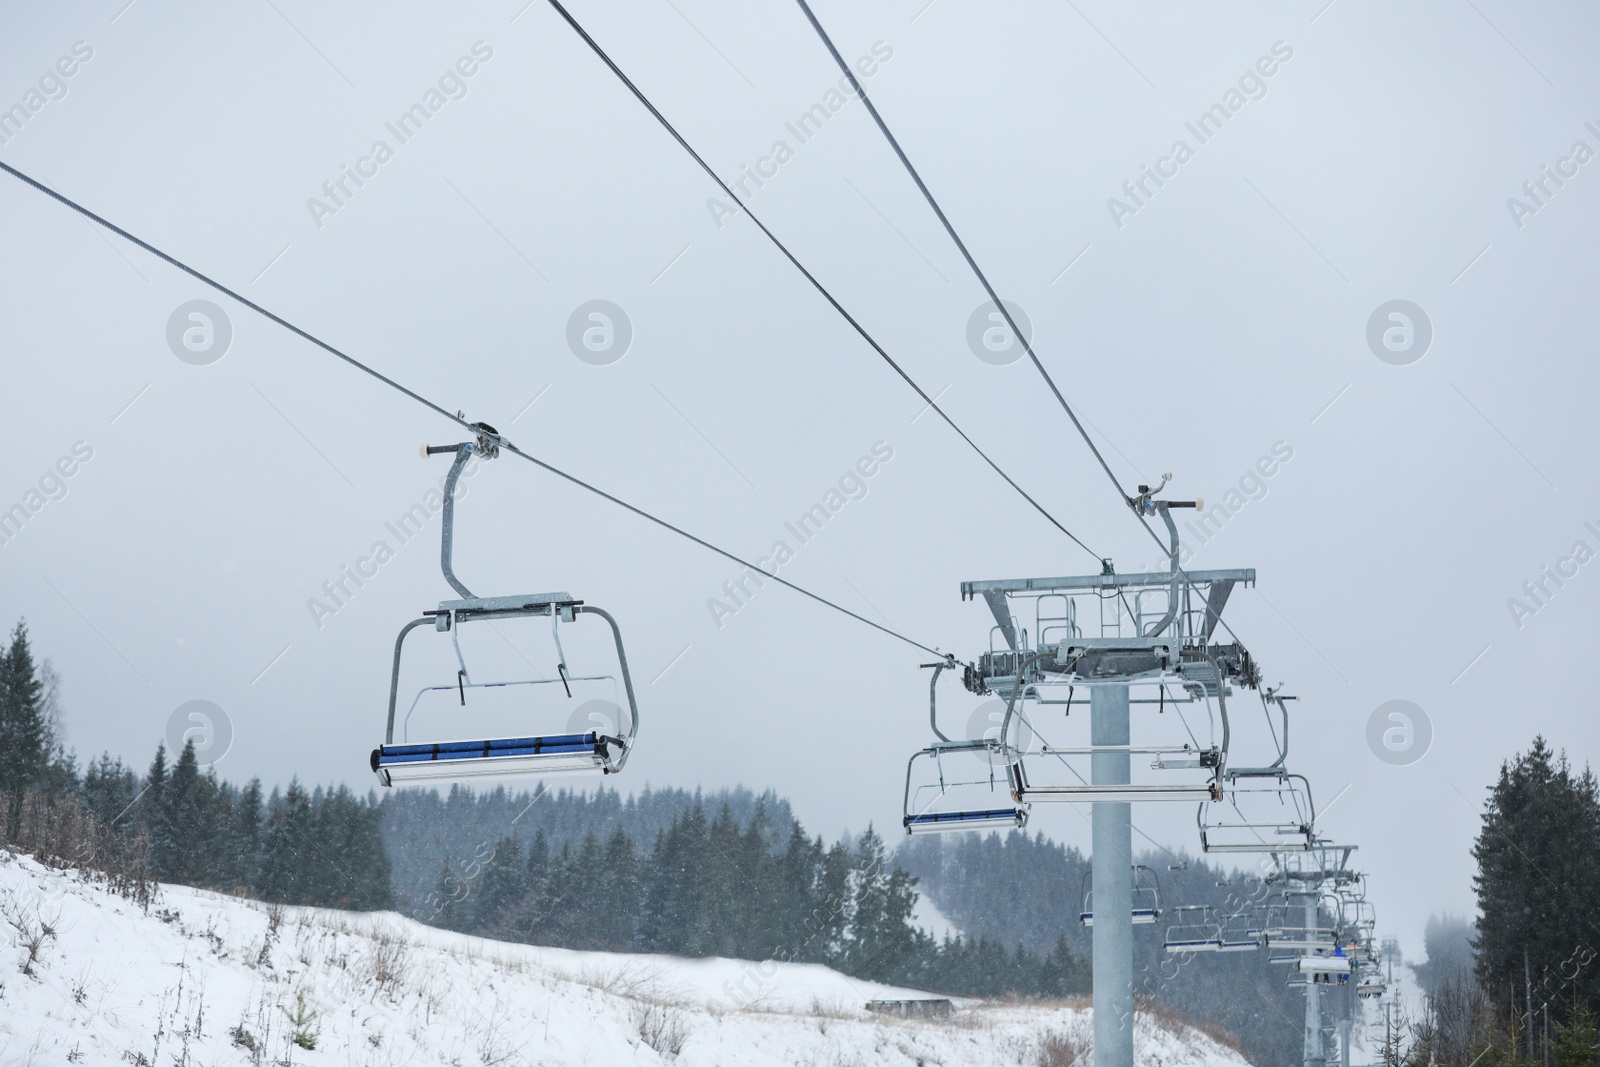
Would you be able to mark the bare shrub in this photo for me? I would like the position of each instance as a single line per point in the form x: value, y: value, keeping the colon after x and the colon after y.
x: 387, y: 960
x: 493, y: 1039
x: 660, y: 1027
x: 274, y: 924
x: 244, y: 1039
x: 628, y: 980
x: 32, y: 927
x: 1061, y: 1048
x: 61, y: 833
x: 1173, y: 1021
x: 830, y: 1009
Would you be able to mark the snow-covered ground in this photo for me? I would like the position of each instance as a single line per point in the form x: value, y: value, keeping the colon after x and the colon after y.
x: 933, y: 921
x: 88, y: 977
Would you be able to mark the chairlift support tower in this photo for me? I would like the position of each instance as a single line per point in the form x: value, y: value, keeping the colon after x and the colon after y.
x: 1312, y: 1052
x: 1153, y: 627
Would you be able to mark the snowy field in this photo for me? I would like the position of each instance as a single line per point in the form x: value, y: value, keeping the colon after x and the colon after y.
x: 200, y: 979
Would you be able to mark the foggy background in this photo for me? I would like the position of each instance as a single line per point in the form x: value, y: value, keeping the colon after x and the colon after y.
x: 1228, y: 314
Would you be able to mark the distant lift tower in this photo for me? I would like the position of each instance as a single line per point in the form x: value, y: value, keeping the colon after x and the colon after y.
x: 1145, y: 639
x: 1327, y: 931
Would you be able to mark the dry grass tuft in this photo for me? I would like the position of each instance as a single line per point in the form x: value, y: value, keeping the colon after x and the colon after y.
x: 661, y: 1027
x: 1060, y: 1048
x: 1173, y: 1021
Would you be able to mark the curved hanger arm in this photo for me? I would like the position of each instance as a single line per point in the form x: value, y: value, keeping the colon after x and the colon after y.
x: 1022, y: 670
x: 933, y: 716
x: 1177, y: 575
x: 1222, y: 710
x: 463, y: 452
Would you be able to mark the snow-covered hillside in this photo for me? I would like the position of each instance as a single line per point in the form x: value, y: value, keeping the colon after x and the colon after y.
x: 88, y: 977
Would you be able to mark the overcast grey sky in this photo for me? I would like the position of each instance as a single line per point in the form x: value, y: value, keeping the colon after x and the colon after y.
x: 1220, y: 314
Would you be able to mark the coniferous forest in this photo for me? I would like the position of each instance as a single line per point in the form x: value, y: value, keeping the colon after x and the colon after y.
x: 667, y: 871
x: 664, y: 872
x: 735, y: 874
x: 177, y: 823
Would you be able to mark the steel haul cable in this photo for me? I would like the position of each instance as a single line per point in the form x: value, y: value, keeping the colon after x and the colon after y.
x: 790, y: 256
x: 983, y: 279
x: 993, y: 296
x: 431, y: 406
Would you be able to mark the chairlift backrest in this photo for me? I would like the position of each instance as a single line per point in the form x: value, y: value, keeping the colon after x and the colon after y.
x: 1145, y: 899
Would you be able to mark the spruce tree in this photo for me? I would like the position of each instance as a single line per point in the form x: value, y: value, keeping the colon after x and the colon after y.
x: 179, y: 853
x: 108, y: 791
x: 153, y: 815
x: 725, y: 890
x: 882, y: 941
x: 23, y: 732
x: 829, y: 919
x: 1538, y: 882
x: 674, y: 891
x: 241, y: 868
x: 286, y: 874
x: 793, y: 894
x: 370, y: 857
x: 575, y: 920
x: 446, y: 907
x: 502, y: 884
x: 619, y: 900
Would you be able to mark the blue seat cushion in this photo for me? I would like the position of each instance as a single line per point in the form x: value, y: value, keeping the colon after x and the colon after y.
x: 491, y: 748
x: 992, y: 815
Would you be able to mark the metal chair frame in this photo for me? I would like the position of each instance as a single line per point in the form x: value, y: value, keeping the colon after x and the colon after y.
x: 592, y: 751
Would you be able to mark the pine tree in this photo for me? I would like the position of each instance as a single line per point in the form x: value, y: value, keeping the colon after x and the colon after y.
x: 1061, y: 973
x: 793, y: 894
x: 180, y: 851
x: 575, y: 914
x: 829, y: 919
x: 673, y: 894
x: 1447, y: 940
x: 446, y: 905
x: 725, y: 889
x: 286, y: 874
x: 501, y: 885
x: 1538, y: 855
x: 108, y: 790
x: 370, y: 857
x: 24, y: 735
x: 1578, y: 1039
x: 538, y: 865
x: 869, y: 906
x: 242, y: 866
x: 620, y: 897
x: 763, y: 925
x: 153, y: 815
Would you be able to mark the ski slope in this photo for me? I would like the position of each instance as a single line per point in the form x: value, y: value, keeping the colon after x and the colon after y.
x: 199, y: 978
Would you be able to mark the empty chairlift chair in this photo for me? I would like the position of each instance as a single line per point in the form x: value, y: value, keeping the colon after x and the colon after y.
x: 1146, y: 898
x: 601, y: 747
x: 1262, y: 814
x: 1238, y: 934
x: 1194, y: 928
x: 959, y: 785
x: 1266, y: 809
